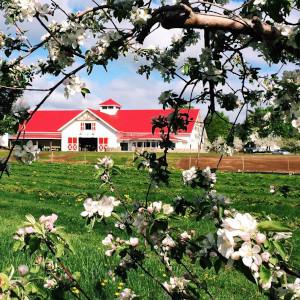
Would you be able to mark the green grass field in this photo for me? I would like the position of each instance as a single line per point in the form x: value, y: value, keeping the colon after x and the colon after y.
x: 44, y: 188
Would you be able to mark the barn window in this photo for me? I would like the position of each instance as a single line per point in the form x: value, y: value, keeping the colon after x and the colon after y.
x: 146, y: 144
x: 88, y: 126
x: 81, y: 126
x: 93, y: 126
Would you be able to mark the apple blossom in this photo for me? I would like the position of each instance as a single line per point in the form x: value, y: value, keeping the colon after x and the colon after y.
x: 250, y: 254
x: 50, y: 283
x: 225, y: 243
x: 106, y: 206
x: 126, y: 294
x: 189, y: 175
x: 107, y: 240
x: 176, y: 284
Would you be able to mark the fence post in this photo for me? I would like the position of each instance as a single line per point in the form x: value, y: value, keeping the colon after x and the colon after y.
x: 85, y: 159
x: 52, y: 156
x: 243, y: 161
x: 190, y: 162
x: 288, y: 165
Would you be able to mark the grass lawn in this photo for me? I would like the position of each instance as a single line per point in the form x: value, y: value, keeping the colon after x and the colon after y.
x: 44, y: 188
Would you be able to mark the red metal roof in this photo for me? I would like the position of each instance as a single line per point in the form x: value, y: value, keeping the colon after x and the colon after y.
x: 110, y: 102
x: 126, y: 121
x: 50, y: 120
x: 140, y: 120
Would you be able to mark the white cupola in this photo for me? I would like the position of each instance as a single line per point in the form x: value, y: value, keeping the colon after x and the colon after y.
x: 109, y: 107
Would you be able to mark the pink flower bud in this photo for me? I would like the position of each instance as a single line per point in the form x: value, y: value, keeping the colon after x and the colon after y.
x: 150, y: 209
x: 265, y: 256
x: 29, y: 230
x: 272, y: 187
x: 193, y: 232
x: 260, y: 238
x: 21, y: 231
x: 134, y: 242
x: 226, y: 212
x: 141, y: 210
x: 109, y: 252
x: 246, y: 238
x: 215, y: 209
x: 235, y: 256
x: 254, y: 267
x: 213, y: 254
x: 23, y: 270
x: 118, y: 240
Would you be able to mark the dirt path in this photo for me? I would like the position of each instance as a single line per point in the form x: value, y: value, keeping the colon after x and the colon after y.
x: 246, y: 163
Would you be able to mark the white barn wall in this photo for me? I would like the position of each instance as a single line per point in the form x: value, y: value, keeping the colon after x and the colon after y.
x: 4, y: 140
x: 74, y: 130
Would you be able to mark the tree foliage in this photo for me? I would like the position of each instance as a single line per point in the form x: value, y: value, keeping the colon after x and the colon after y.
x: 217, y: 125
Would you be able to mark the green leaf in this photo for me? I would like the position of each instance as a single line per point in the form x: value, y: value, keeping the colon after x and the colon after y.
x: 30, y: 219
x: 34, y: 269
x: 34, y: 243
x: 217, y: 265
x: 76, y: 275
x: 116, y: 216
x: 60, y: 249
x: 273, y: 226
x: 6, y: 284
x: 265, y: 274
x: 280, y: 249
x: 85, y: 91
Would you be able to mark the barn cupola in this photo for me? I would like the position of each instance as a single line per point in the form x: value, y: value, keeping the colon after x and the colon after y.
x: 109, y: 107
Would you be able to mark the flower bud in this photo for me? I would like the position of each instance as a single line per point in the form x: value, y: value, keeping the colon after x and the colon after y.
x: 254, y: 267
x: 213, y: 254
x: 96, y: 167
x: 134, y: 242
x: 141, y: 210
x: 29, y: 230
x: 265, y: 256
x: 246, y: 238
x: 235, y: 255
x: 260, y: 238
x: 226, y: 213
x: 215, y: 208
x: 23, y: 270
x: 149, y: 209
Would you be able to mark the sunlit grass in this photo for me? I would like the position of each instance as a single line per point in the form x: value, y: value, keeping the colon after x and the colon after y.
x: 43, y: 188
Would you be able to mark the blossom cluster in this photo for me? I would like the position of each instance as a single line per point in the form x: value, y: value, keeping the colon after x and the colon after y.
x: 240, y: 238
x: 117, y: 243
x: 126, y: 294
x: 105, y: 162
x: 25, y: 9
x: 139, y: 16
x: 28, y: 151
x: 176, y: 284
x: 104, y: 207
x: 46, y: 221
x: 189, y: 175
x: 209, y: 178
x: 104, y: 42
x: 73, y: 85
